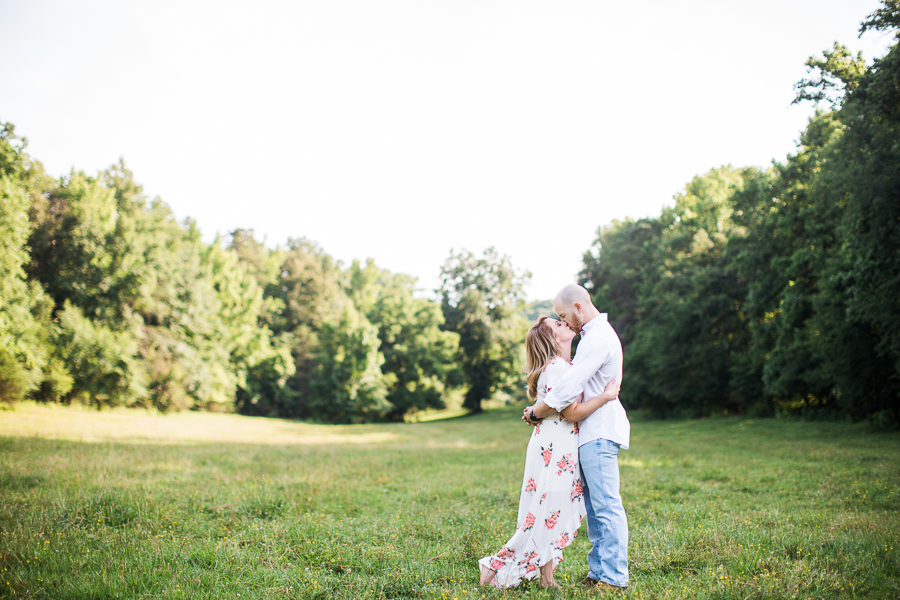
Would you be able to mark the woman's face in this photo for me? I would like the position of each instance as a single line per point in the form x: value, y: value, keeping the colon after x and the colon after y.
x: 562, y: 332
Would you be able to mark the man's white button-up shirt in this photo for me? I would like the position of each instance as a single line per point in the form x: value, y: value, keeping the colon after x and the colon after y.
x: 598, y: 360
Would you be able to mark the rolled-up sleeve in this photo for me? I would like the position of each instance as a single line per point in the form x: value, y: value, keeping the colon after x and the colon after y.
x: 588, y: 361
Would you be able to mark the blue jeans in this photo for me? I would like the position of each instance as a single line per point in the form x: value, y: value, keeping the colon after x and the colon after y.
x: 607, y: 524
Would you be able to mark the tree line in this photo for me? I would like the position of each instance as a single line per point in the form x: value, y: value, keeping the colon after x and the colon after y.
x: 761, y: 291
x: 776, y: 290
x: 107, y: 300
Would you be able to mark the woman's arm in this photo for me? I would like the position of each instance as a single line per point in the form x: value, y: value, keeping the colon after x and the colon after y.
x: 580, y: 411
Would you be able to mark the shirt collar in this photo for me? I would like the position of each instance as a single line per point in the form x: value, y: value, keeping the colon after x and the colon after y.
x: 586, y: 329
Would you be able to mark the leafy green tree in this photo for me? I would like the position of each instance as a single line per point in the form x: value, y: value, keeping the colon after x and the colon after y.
x: 337, y: 374
x: 886, y: 18
x: 307, y: 291
x: 828, y: 325
x: 871, y: 164
x: 618, y: 268
x: 482, y: 300
x: 102, y: 362
x: 418, y: 356
x: 263, y: 264
x: 28, y: 365
x: 23, y: 353
x: 98, y: 249
x: 861, y: 310
x: 688, y: 323
x: 777, y: 290
x: 70, y: 244
x: 236, y: 330
x: 838, y: 73
x: 265, y: 390
x: 347, y: 385
x: 17, y: 165
x: 191, y: 309
x: 818, y: 356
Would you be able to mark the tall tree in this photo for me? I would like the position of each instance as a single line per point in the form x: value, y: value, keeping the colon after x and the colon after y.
x: 778, y: 291
x: 619, y: 267
x: 126, y: 275
x: 337, y: 374
x: 265, y: 390
x: 862, y: 180
x: 347, y: 385
x: 418, y: 355
x: 482, y: 300
x: 668, y: 287
x: 29, y: 361
x: 25, y: 354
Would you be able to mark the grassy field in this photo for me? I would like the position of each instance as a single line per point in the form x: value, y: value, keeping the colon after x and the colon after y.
x: 131, y: 504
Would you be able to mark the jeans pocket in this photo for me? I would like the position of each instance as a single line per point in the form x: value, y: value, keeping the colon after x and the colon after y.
x: 609, y: 448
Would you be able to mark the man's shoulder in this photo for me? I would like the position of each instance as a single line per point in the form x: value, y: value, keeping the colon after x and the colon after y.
x: 609, y: 335
x: 600, y: 338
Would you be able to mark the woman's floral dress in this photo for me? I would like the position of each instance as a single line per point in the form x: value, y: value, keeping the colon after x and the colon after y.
x: 551, y: 505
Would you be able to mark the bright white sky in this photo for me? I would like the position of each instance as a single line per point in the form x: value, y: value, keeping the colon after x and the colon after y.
x: 399, y: 129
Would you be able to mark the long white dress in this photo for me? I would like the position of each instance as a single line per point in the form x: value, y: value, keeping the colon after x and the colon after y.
x: 551, y: 505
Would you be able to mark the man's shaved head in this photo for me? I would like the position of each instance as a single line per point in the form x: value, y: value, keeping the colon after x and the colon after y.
x: 571, y: 294
x: 573, y: 305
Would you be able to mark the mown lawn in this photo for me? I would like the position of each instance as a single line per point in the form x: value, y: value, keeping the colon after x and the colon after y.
x: 129, y: 504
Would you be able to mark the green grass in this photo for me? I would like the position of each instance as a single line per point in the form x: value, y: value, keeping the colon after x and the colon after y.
x: 132, y: 504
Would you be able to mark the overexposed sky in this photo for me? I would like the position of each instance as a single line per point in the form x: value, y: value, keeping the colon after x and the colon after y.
x: 398, y: 130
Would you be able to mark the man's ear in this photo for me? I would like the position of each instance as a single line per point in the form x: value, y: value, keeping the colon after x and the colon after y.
x: 577, y: 305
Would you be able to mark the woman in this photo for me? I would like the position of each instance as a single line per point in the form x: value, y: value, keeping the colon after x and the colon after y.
x: 551, y: 505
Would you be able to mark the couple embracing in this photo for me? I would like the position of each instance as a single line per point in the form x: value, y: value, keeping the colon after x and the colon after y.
x: 571, y: 464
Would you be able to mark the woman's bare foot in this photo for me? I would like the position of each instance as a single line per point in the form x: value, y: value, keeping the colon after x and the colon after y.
x: 487, y: 576
x: 547, y: 580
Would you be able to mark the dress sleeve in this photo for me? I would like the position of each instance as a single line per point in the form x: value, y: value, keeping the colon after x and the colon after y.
x: 555, y: 372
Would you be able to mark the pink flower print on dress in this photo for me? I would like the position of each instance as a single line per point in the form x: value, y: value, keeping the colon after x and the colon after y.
x: 550, y: 522
x: 577, y: 490
x: 529, y: 522
x: 575, y: 431
x: 537, y: 428
x: 531, y: 567
x: 531, y: 486
x: 566, y: 464
x: 528, y: 557
x: 560, y: 542
x: 546, y: 454
x: 497, y: 564
x: 506, y: 552
x: 544, y: 497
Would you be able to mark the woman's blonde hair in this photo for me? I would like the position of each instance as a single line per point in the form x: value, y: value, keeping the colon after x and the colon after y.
x: 540, y: 349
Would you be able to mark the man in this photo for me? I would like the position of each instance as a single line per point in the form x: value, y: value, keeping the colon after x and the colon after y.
x: 598, y: 360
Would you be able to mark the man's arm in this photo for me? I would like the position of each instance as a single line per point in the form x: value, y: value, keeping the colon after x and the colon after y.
x: 566, y: 390
x: 578, y: 411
